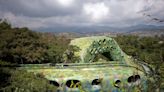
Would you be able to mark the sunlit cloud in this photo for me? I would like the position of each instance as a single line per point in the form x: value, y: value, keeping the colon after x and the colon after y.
x: 65, y: 3
x: 96, y: 11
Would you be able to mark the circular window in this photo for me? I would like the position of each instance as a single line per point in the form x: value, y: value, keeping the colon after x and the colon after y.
x: 73, y: 83
x: 137, y: 77
x: 54, y: 83
x: 133, y: 78
x: 96, y: 82
x: 117, y: 83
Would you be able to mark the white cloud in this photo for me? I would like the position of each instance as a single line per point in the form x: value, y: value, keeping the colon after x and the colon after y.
x: 65, y: 2
x: 24, y: 21
x: 39, y: 22
x: 96, y: 11
x: 48, y: 13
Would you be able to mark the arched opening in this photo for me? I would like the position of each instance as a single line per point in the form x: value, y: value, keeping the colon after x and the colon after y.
x: 73, y: 83
x: 137, y: 77
x: 96, y: 82
x: 117, y: 83
x: 105, y: 56
x: 103, y: 40
x: 133, y: 78
x: 54, y: 83
x: 108, y: 56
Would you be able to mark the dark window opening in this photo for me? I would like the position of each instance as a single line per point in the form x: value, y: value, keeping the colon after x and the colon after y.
x: 96, y: 82
x: 65, y: 65
x: 108, y: 56
x: 133, y: 78
x: 105, y: 56
x: 73, y: 83
x: 104, y: 40
x: 137, y: 77
x: 91, y: 50
x: 117, y: 83
x: 54, y: 83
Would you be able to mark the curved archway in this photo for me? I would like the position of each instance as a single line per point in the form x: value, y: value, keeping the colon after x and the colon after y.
x: 73, y: 83
x: 55, y: 83
x: 90, y: 47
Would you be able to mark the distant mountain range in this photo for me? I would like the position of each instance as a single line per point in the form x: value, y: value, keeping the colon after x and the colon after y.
x: 138, y: 29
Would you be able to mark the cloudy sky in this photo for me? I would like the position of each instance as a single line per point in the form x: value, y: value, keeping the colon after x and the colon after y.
x: 37, y: 14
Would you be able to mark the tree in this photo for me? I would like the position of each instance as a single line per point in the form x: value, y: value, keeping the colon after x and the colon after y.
x: 146, y: 49
x: 22, y: 81
x: 57, y: 45
x: 21, y: 45
x: 69, y: 55
x: 4, y: 25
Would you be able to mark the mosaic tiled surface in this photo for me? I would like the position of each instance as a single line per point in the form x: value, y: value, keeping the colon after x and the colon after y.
x: 85, y: 70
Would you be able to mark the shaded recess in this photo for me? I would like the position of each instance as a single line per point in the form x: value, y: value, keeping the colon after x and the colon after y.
x: 96, y: 82
x: 73, y: 83
x: 54, y: 83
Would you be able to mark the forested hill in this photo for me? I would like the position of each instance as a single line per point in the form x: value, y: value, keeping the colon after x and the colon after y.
x: 21, y: 45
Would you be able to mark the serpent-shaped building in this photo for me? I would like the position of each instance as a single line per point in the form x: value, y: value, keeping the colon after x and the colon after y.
x: 101, y: 66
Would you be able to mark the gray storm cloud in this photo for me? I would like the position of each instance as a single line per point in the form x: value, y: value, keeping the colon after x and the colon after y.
x: 48, y: 13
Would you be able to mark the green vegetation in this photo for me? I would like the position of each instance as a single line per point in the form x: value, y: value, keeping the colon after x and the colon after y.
x: 21, y: 45
x: 12, y: 80
x: 57, y: 45
x: 146, y: 49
